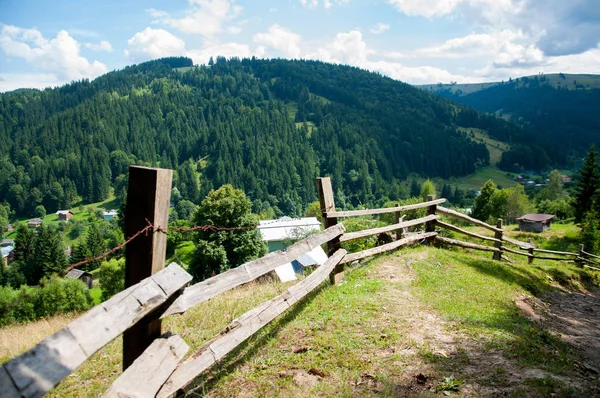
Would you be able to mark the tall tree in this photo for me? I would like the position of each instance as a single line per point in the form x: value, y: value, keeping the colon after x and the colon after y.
x: 481, y: 206
x: 217, y: 251
x: 94, y: 245
x: 587, y: 184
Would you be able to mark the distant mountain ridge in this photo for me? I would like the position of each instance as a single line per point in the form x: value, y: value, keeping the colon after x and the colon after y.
x: 561, y: 110
x: 266, y: 126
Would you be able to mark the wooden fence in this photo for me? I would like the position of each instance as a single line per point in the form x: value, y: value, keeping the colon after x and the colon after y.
x: 153, y: 361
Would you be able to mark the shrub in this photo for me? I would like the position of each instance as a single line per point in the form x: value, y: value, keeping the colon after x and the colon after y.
x: 112, y: 278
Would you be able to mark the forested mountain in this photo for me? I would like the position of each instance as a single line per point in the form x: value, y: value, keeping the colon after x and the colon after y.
x: 268, y: 127
x: 561, y: 111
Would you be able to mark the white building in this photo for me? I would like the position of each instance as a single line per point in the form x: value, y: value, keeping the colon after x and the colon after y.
x: 284, y: 231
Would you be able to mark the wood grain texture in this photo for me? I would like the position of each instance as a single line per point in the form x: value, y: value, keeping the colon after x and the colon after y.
x: 357, y: 213
x: 245, y: 273
x: 375, y: 231
x: 245, y: 326
x: 38, y: 370
x: 465, y: 232
x: 387, y: 247
x: 464, y: 217
x: 149, y: 371
x: 466, y: 245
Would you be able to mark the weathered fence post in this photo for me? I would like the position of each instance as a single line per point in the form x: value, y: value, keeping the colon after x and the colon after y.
x: 398, y: 219
x: 327, y: 205
x: 530, y: 250
x: 430, y: 225
x: 148, y: 198
x: 580, y: 255
x: 498, y: 235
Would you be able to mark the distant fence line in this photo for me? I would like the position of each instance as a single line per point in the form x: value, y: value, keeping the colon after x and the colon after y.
x: 153, y: 362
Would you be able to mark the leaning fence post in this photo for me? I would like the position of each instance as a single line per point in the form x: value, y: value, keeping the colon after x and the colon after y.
x: 498, y: 235
x: 430, y: 225
x: 148, y: 198
x: 328, y: 205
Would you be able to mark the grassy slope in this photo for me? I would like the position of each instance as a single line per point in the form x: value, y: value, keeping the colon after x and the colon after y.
x: 362, y: 338
x: 475, y: 181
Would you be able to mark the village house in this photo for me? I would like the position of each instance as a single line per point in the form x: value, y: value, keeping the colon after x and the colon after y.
x: 278, y: 234
x: 34, y: 222
x: 7, y: 242
x: 535, y: 222
x: 7, y: 253
x: 64, y: 215
x: 109, y: 215
x: 83, y: 276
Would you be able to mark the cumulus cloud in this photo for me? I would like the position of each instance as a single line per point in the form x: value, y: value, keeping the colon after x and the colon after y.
x: 154, y: 43
x: 58, y: 57
x: 379, y: 28
x: 227, y: 50
x: 281, y: 39
x: 559, y: 27
x: 204, y: 17
x: 102, y: 46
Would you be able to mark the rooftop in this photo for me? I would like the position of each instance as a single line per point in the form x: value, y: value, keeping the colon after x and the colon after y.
x: 536, y: 217
x: 287, y: 228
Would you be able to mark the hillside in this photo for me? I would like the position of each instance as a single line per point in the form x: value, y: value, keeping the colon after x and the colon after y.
x: 560, y: 109
x: 266, y: 126
x: 417, y: 322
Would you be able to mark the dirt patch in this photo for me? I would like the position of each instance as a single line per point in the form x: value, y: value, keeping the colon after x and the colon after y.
x: 435, y: 348
x: 575, y: 318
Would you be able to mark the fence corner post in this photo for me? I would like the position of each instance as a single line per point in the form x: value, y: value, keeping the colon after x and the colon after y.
x: 498, y: 234
x: 398, y: 219
x: 327, y: 205
x: 430, y: 225
x: 148, y: 197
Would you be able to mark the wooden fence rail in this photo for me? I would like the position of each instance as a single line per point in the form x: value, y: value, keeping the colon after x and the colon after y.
x: 155, y: 365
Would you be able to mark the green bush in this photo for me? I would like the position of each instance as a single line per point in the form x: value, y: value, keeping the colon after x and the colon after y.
x: 112, y: 278
x: 57, y: 296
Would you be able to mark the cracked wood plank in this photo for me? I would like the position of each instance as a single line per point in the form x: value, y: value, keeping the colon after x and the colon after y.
x: 205, y: 290
x: 38, y: 370
x: 243, y: 327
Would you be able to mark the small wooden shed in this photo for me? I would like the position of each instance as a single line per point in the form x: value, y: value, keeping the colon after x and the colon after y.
x: 535, y: 222
x: 64, y: 215
x: 34, y: 222
x: 83, y: 276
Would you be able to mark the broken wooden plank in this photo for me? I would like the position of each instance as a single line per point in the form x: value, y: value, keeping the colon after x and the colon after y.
x: 387, y: 228
x: 38, y: 370
x: 357, y: 213
x: 245, y: 326
x: 146, y: 375
x: 465, y: 232
x: 211, y: 287
x: 387, y: 247
x: 464, y: 217
x: 466, y: 245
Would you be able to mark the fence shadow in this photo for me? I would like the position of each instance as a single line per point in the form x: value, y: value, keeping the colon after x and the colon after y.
x: 245, y: 351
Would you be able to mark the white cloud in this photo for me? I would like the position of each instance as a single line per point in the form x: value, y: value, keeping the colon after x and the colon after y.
x: 227, y: 50
x: 345, y: 48
x: 379, y: 28
x: 426, y: 8
x: 13, y: 81
x: 204, y: 17
x: 154, y: 43
x: 59, y: 57
x: 326, y: 3
x: 102, y: 46
x: 282, y: 39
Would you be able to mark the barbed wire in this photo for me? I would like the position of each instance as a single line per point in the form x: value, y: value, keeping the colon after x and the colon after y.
x: 156, y: 228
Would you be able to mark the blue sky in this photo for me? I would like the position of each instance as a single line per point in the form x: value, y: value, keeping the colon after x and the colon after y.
x: 48, y: 43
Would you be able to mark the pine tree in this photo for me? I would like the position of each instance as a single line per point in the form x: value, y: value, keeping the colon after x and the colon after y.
x: 415, y: 189
x: 94, y: 246
x: 587, y: 184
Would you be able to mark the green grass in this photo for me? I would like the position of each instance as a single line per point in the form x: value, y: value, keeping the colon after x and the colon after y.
x: 495, y: 147
x: 476, y: 181
x: 96, y: 294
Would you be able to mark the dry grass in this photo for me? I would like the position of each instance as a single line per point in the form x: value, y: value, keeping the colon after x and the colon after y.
x: 19, y: 338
